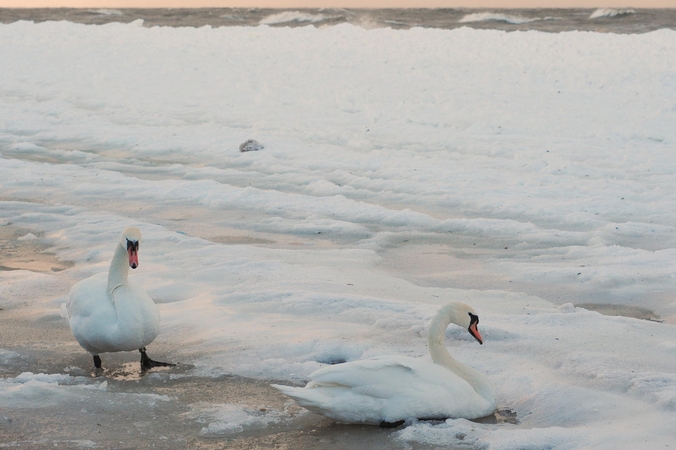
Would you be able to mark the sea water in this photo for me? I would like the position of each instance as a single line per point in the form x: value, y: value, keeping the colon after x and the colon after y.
x: 603, y: 20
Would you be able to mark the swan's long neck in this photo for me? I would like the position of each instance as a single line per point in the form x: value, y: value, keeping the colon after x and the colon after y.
x: 441, y: 356
x: 119, y: 268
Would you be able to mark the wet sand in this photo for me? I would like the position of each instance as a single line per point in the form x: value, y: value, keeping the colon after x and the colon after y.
x: 20, y: 250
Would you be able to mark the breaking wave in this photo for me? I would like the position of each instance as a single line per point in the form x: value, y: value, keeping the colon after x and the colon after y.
x: 498, y: 17
x: 610, y: 12
x: 294, y: 16
x: 107, y: 12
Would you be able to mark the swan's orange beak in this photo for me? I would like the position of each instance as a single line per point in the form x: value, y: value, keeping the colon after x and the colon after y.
x: 474, y: 331
x: 132, y: 251
x: 133, y: 258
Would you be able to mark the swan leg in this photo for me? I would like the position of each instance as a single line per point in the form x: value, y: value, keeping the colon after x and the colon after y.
x: 97, y: 361
x: 147, y: 363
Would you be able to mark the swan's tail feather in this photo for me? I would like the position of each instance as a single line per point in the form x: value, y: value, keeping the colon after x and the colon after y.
x: 287, y: 390
x: 335, y: 402
x: 311, y: 399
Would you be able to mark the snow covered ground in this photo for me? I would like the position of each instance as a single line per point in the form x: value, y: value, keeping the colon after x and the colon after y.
x: 522, y: 173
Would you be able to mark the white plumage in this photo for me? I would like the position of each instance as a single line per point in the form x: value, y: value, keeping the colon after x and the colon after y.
x: 112, y: 314
x: 390, y: 389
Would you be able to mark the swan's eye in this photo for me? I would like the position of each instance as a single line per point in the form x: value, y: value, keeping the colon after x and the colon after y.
x: 473, y: 319
x: 132, y: 245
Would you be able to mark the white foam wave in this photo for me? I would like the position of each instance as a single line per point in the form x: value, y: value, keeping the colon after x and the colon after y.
x: 498, y: 17
x: 107, y: 12
x: 610, y: 12
x: 292, y: 16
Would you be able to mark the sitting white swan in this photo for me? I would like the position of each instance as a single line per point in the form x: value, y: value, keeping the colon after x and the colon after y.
x: 388, y: 390
x: 113, y: 315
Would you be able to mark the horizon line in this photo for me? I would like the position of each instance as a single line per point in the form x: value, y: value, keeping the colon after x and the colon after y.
x: 341, y: 7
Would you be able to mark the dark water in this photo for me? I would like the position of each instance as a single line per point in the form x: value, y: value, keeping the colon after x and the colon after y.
x: 605, y: 20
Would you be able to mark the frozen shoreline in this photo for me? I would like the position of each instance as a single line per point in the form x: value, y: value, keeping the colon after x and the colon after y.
x: 58, y: 389
x: 46, y: 376
x: 521, y: 173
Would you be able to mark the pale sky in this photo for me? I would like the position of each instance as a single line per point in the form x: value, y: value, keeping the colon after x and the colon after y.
x: 340, y: 3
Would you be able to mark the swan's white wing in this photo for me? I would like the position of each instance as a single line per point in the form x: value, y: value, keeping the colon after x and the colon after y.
x: 100, y: 327
x: 90, y: 313
x: 386, y: 376
x: 388, y: 388
x: 88, y: 297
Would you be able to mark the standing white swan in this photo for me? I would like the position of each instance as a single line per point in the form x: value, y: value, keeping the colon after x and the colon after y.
x: 114, y: 315
x: 388, y: 390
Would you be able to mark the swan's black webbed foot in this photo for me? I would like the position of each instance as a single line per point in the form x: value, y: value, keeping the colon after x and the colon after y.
x: 147, y: 363
x: 385, y: 424
x: 97, y: 361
